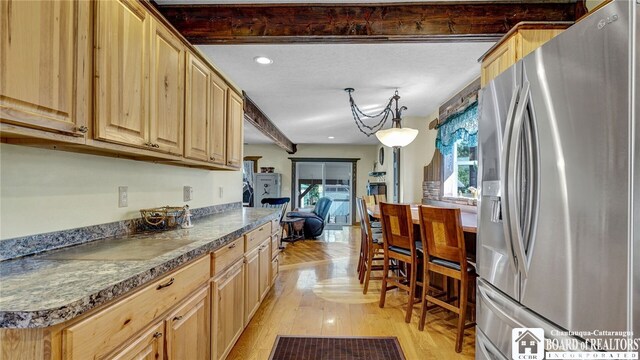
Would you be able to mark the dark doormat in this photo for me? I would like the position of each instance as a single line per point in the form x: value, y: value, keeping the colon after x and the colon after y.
x: 336, y: 348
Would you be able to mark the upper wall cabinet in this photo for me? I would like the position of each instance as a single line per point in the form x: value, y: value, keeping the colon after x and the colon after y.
x: 217, y: 130
x: 235, y: 121
x: 198, y: 113
x: 521, y: 40
x: 44, y: 66
x: 167, y: 90
x: 139, y: 79
x: 122, y: 72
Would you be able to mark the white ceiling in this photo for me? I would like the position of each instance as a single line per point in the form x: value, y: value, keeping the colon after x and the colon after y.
x: 302, y: 91
x: 254, y: 136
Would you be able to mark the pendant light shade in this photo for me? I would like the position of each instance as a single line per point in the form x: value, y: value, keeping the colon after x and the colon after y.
x: 397, y: 137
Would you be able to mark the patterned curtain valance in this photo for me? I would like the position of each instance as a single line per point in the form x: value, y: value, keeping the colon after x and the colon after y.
x: 462, y: 126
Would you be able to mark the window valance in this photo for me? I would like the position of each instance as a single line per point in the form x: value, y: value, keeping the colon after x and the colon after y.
x: 462, y: 126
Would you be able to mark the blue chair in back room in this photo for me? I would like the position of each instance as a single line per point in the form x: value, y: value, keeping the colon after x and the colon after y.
x: 314, y: 220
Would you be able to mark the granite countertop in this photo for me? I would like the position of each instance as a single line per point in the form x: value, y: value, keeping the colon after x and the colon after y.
x: 56, y: 286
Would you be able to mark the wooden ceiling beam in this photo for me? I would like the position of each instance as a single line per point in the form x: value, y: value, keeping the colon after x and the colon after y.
x: 359, y: 23
x: 261, y: 121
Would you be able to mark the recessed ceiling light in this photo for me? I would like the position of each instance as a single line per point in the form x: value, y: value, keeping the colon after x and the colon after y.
x: 332, y: 137
x: 262, y: 60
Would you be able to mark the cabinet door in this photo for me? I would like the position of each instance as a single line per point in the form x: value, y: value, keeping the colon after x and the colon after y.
x: 188, y: 328
x: 148, y: 346
x: 228, y: 317
x: 235, y: 114
x: 251, y: 284
x: 264, y: 280
x: 122, y: 72
x: 218, y: 132
x: 197, y: 111
x: 39, y: 43
x: 167, y: 90
x: 499, y: 60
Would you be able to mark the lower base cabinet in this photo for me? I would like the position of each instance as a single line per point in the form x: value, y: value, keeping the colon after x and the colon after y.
x: 227, y: 298
x: 251, y: 284
x: 188, y: 328
x: 148, y: 346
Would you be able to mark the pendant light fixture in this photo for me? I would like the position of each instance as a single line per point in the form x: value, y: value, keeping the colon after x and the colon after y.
x: 396, y: 136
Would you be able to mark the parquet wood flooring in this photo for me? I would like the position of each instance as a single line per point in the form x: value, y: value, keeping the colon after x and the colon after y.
x: 317, y: 294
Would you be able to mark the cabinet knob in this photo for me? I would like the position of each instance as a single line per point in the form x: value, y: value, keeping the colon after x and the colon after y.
x: 167, y: 284
x: 232, y: 246
x: 177, y: 318
x: 82, y: 129
x: 212, y: 158
x: 155, y: 145
x: 157, y: 335
x: 148, y: 144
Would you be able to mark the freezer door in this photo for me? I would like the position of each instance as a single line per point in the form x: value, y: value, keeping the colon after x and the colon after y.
x: 576, y: 263
x: 498, y: 315
x: 494, y: 254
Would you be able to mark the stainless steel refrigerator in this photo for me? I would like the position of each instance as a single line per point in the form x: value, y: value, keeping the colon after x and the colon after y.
x: 558, y: 244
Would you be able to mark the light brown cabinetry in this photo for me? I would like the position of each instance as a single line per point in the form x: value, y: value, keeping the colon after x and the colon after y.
x: 251, y: 284
x: 197, y: 114
x: 45, y: 65
x: 147, y: 346
x: 521, y: 40
x: 227, y: 291
x: 166, y: 123
x: 235, y: 121
x: 122, y: 72
x: 188, y: 329
x: 264, y: 276
x: 218, y: 127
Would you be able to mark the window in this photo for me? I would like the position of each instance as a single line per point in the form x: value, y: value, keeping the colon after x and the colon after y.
x: 532, y: 342
x: 523, y: 343
x: 460, y: 171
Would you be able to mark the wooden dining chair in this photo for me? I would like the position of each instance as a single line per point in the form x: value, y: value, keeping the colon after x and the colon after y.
x: 398, y: 244
x: 370, y: 200
x: 380, y: 198
x: 443, y: 239
x: 371, y: 248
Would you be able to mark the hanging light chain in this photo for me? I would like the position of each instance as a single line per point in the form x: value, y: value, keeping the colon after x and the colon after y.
x: 356, y: 112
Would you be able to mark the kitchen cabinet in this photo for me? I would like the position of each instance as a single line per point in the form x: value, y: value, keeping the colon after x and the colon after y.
x: 45, y: 74
x: 235, y: 121
x: 197, y: 112
x: 227, y: 291
x: 520, y: 41
x: 147, y: 346
x: 264, y: 275
x: 166, y: 125
x: 218, y: 127
x: 251, y: 284
x: 122, y: 72
x: 188, y: 329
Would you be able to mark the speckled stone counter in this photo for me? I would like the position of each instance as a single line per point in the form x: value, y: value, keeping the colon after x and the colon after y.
x: 57, y: 286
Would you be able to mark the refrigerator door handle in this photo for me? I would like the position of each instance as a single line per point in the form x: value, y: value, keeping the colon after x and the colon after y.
x: 485, y: 297
x: 488, y: 349
x: 504, y: 203
x: 516, y: 230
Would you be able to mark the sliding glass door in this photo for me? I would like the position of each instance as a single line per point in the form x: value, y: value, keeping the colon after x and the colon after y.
x: 334, y: 180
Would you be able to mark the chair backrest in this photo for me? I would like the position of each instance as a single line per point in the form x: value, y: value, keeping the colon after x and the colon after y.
x: 281, y: 203
x: 322, y: 207
x: 442, y: 234
x: 365, y: 224
x: 380, y: 198
x: 369, y: 200
x: 397, y: 227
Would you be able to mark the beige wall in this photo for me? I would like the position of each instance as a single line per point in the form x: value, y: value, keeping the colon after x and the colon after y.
x: 593, y: 3
x: 277, y: 158
x: 46, y: 190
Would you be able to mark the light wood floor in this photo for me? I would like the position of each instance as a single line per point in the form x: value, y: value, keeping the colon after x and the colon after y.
x: 317, y: 294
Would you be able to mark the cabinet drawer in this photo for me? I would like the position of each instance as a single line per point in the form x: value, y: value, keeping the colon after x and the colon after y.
x: 255, y: 237
x: 275, y: 225
x: 116, y: 324
x: 275, y: 243
x: 227, y: 255
x: 275, y: 269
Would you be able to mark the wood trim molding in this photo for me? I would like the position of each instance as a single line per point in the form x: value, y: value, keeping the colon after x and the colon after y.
x: 358, y: 23
x: 459, y: 102
x: 261, y: 121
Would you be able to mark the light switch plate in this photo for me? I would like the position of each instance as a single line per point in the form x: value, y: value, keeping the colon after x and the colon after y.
x: 188, y: 193
x: 123, y: 196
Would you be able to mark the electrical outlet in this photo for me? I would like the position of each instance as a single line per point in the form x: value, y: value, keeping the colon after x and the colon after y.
x: 220, y: 191
x: 188, y: 193
x: 123, y: 196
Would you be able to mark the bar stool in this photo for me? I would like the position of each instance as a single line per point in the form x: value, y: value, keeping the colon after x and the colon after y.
x: 443, y: 239
x: 398, y: 244
x: 370, y: 249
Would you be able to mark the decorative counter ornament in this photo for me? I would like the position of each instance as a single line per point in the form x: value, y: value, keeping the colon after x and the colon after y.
x: 164, y: 218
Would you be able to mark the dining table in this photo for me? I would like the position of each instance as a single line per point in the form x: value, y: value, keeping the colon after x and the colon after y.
x: 469, y: 219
